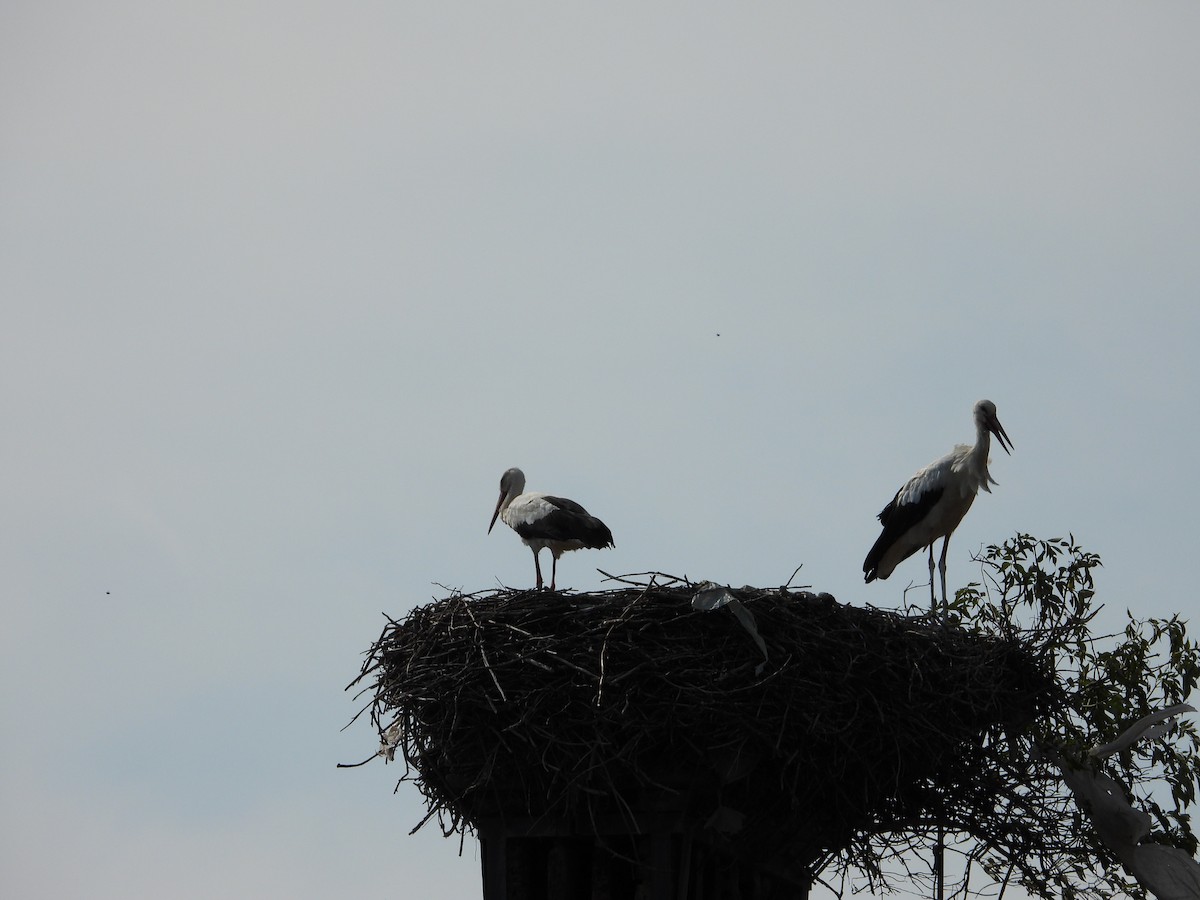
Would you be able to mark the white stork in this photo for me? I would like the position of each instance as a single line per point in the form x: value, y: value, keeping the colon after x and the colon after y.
x: 545, y: 521
x: 934, y: 501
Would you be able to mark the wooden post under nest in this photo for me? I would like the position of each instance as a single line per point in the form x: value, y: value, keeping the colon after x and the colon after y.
x: 662, y: 862
x: 623, y: 745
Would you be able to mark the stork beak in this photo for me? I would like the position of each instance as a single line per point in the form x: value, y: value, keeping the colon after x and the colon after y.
x: 496, y: 514
x: 1001, y: 435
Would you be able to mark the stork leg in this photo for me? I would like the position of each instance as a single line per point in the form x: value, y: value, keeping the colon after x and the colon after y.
x: 932, y: 595
x: 537, y: 567
x: 942, y: 569
x: 553, y: 568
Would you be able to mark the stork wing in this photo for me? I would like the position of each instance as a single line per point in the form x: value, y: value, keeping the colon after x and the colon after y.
x: 898, y: 518
x: 560, y: 519
x: 912, y: 503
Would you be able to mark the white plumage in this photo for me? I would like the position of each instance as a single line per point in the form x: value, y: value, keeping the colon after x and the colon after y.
x: 932, y: 503
x: 545, y: 521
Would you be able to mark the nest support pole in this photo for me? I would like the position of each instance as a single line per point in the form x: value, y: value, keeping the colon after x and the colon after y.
x: 659, y: 865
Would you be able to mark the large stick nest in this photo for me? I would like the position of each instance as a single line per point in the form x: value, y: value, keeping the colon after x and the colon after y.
x: 578, y: 710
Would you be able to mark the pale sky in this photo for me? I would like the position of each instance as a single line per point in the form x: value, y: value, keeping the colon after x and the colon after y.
x: 287, y: 286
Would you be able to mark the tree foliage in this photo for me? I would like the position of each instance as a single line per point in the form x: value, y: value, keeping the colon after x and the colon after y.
x: 1031, y: 831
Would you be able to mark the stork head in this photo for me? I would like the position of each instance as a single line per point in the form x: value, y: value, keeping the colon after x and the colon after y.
x: 512, y: 483
x: 985, y: 418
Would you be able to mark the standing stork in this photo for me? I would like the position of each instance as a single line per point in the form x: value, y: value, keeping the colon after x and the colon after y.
x: 545, y: 521
x: 934, y: 501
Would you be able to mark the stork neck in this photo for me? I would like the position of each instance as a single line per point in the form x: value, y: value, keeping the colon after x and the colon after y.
x: 983, y: 443
x: 979, y: 457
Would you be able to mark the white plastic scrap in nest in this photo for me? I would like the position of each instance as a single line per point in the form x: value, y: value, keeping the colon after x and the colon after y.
x: 1167, y: 872
x: 713, y: 596
x: 391, y: 740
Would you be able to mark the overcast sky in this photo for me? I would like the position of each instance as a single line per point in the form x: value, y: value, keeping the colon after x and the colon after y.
x: 287, y: 286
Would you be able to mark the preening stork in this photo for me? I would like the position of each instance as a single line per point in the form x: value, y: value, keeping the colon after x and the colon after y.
x: 934, y: 501
x: 545, y: 521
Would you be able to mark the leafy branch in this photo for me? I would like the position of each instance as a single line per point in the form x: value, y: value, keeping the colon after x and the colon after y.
x: 1041, y: 593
